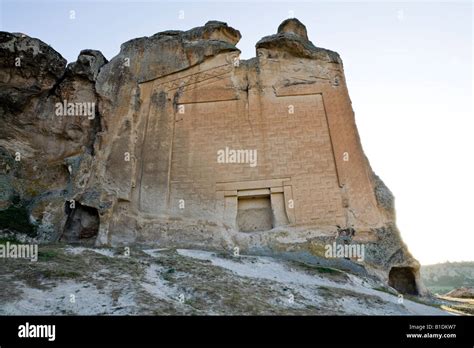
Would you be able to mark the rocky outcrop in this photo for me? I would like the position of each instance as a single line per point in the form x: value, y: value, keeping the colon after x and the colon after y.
x: 293, y: 39
x: 125, y: 151
x: 463, y: 292
x: 42, y: 146
x: 28, y: 68
x: 88, y: 64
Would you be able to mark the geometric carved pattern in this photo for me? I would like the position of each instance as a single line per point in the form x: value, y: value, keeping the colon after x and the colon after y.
x: 190, y: 81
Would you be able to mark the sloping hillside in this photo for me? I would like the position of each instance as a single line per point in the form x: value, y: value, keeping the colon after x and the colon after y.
x: 76, y: 280
x: 443, y: 277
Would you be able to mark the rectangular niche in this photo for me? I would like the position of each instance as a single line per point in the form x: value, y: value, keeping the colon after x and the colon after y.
x: 252, y: 206
x: 254, y: 213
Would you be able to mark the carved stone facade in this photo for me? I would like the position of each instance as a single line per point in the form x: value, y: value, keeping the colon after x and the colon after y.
x: 293, y: 112
x: 170, y: 105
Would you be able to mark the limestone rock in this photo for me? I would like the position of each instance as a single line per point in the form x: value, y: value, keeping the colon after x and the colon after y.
x: 294, y: 26
x: 293, y: 40
x: 41, y: 148
x: 88, y: 64
x: 189, y: 146
x: 28, y: 67
x: 214, y: 30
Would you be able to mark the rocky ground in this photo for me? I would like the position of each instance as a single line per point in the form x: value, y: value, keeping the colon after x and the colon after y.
x: 68, y: 280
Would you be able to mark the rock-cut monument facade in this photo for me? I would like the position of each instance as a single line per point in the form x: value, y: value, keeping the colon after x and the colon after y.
x: 187, y: 145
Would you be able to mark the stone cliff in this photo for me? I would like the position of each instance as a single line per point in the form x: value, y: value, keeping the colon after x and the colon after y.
x: 178, y: 142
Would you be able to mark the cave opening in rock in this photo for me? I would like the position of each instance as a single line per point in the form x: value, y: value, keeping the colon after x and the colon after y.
x: 254, y: 214
x: 403, y: 279
x: 82, y: 224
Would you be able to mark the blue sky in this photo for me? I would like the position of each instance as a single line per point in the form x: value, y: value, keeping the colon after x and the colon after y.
x: 408, y: 66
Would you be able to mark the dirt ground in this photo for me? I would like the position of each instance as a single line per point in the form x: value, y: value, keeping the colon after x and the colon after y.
x: 73, y: 280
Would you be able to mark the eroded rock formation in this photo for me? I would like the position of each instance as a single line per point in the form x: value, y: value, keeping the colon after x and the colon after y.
x: 189, y: 146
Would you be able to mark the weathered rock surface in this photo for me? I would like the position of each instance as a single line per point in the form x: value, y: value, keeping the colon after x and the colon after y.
x: 42, y: 152
x: 143, y: 167
x: 88, y: 64
x: 28, y: 67
x: 189, y: 282
x: 293, y: 39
